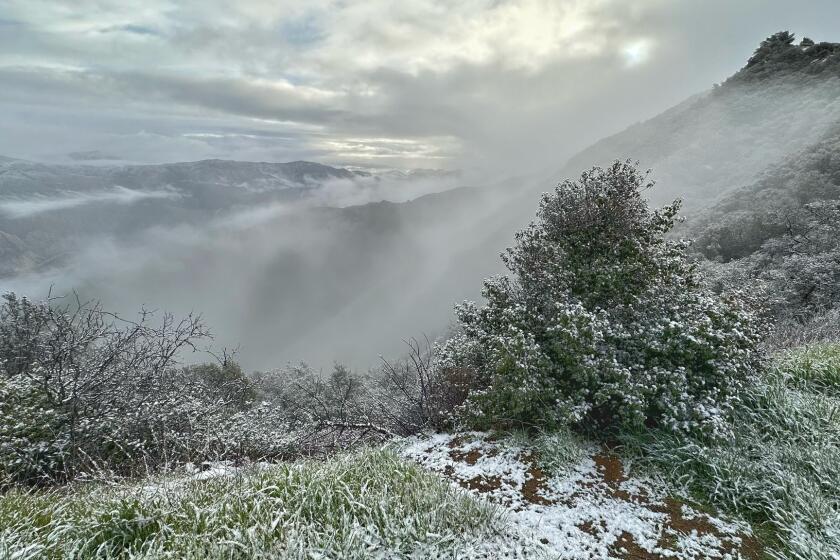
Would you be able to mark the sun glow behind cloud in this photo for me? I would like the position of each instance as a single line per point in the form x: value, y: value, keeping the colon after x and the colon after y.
x: 427, y: 36
x: 636, y: 53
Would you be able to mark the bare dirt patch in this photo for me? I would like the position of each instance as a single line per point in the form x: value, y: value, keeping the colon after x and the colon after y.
x: 612, y: 472
x: 610, y: 467
x: 700, y: 523
x: 469, y: 457
x: 482, y: 484
x: 626, y: 547
x: 535, y: 487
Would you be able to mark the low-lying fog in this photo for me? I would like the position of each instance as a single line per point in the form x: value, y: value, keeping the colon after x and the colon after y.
x: 317, y: 280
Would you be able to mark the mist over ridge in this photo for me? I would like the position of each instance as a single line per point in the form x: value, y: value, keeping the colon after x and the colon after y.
x: 303, y: 261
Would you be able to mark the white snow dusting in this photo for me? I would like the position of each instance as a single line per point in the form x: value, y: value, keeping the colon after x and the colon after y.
x: 593, y: 510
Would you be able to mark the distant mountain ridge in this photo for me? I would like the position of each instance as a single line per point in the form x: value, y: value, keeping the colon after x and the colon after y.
x: 47, y: 210
x: 24, y: 178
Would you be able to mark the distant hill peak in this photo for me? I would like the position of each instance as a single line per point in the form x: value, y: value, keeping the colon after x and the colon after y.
x: 92, y: 155
x: 780, y: 56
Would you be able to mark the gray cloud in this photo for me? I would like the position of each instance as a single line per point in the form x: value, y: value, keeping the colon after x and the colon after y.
x: 419, y: 83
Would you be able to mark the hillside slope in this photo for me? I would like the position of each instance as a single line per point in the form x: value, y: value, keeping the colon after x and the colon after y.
x: 786, y: 98
x: 780, y: 234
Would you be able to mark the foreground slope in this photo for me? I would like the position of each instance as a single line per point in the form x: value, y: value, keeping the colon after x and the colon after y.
x: 483, y: 499
x: 587, y: 509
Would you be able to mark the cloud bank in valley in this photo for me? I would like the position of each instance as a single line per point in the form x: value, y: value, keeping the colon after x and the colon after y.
x: 287, y: 284
x: 24, y: 207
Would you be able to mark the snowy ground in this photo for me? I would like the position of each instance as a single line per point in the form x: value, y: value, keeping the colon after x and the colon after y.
x: 590, y: 510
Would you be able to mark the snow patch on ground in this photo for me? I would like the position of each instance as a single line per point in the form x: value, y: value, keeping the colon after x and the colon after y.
x: 591, y: 510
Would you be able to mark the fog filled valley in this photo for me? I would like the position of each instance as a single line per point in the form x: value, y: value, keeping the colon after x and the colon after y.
x: 277, y: 257
x: 234, y: 359
x: 305, y: 262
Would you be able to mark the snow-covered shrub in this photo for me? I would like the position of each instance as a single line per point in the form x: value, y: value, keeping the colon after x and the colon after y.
x: 401, y: 397
x: 603, y: 323
x: 420, y: 391
x: 223, y: 382
x: 85, y: 392
x: 32, y: 444
x: 341, y: 408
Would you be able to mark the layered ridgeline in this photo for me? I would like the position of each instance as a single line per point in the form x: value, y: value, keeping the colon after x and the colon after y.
x: 46, y: 211
x: 51, y: 212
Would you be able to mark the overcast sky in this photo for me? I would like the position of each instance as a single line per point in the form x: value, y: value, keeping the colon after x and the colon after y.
x: 403, y: 83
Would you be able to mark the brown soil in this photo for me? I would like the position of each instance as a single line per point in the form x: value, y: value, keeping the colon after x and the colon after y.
x: 610, y: 467
x: 626, y: 547
x: 748, y: 548
x: 482, y: 484
x: 588, y: 527
x: 699, y: 523
x: 456, y: 442
x: 470, y: 458
x: 536, y: 482
x: 612, y: 471
x: 531, y: 488
x: 751, y: 548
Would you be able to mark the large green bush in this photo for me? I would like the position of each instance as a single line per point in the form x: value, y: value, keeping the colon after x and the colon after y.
x: 602, y: 322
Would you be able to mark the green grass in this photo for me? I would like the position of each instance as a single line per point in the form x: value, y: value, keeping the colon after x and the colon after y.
x: 815, y: 367
x: 350, y: 506
x: 781, y: 471
x: 556, y: 451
